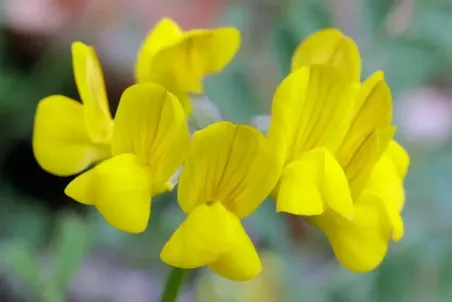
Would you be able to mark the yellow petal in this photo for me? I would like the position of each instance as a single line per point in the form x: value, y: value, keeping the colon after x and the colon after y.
x: 233, y: 164
x: 242, y: 262
x: 311, y: 108
x: 375, y: 112
x: 361, y: 244
x: 60, y: 139
x: 314, y: 182
x: 164, y: 33
x: 120, y: 188
x: 205, y: 235
x: 386, y: 183
x: 400, y: 157
x: 184, y: 99
x: 398, y: 227
x: 299, y: 192
x: 150, y: 123
x: 367, y: 87
x: 198, y: 53
x: 365, y: 158
x: 91, y: 87
x: 329, y: 47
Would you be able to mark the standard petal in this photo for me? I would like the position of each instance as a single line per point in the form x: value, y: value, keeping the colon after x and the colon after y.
x: 330, y: 47
x: 312, y: 107
x: 361, y: 244
x: 150, y: 123
x: 314, y: 182
x: 205, y: 235
x: 233, y: 164
x: 91, y: 87
x: 374, y: 111
x: 164, y: 33
x: 120, y: 188
x: 197, y: 53
x: 61, y: 143
x: 242, y: 262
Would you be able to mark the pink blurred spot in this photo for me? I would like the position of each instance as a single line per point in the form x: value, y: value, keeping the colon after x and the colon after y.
x: 426, y: 116
x: 51, y: 16
x: 188, y: 13
x: 41, y: 16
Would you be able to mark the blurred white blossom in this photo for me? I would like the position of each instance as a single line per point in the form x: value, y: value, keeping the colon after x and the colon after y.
x: 425, y: 116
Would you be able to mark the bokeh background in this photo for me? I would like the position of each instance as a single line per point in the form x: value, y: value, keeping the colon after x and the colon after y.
x: 53, y: 249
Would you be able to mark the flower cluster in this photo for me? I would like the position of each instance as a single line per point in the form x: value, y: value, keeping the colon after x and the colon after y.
x: 329, y: 154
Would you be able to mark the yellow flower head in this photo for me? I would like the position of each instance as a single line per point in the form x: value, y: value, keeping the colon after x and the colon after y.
x: 69, y: 136
x: 375, y: 165
x: 149, y: 143
x: 349, y: 177
x: 229, y: 171
x: 180, y: 60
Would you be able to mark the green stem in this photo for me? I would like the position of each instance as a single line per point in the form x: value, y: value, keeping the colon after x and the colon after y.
x: 174, y: 284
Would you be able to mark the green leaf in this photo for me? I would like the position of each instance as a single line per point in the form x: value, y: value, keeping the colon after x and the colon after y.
x: 29, y: 224
x: 278, y: 236
x: 232, y: 93
x: 8, y: 82
x: 235, y: 15
x: 375, y: 13
x: 284, y: 44
x: 445, y: 274
x: 51, y: 294
x: 432, y: 27
x: 407, y: 62
x: 17, y: 257
x: 71, y: 243
x: 307, y: 16
x: 174, y: 284
x: 231, y: 90
x: 395, y: 276
x: 302, y: 18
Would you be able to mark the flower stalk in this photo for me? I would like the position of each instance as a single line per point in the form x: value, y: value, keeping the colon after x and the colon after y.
x: 174, y: 284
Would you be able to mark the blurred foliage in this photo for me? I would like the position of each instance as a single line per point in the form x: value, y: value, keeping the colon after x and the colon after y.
x: 35, y: 226
x: 49, y: 281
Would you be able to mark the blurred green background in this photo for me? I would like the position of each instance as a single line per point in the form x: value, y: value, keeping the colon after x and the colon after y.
x: 53, y: 249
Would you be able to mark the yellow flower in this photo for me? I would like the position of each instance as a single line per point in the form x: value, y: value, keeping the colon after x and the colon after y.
x: 374, y: 104
x: 180, y: 60
x: 69, y: 136
x: 373, y: 166
x: 229, y: 171
x: 149, y: 143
